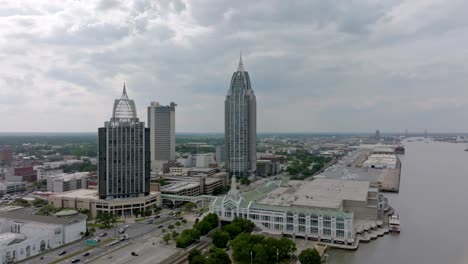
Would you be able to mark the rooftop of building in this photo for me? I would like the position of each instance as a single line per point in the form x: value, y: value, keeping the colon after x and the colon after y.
x: 79, y: 193
x: 390, y: 159
x: 319, y: 193
x: 91, y: 194
x: 202, y: 169
x: 7, y: 239
x: 69, y: 177
x: 263, y: 161
x: 179, y: 186
x: 384, y: 149
x: 27, y: 215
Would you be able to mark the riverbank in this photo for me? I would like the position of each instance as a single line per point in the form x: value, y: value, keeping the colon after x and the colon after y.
x: 432, y: 208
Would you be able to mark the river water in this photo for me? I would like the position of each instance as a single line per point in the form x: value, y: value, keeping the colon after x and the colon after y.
x: 433, y: 208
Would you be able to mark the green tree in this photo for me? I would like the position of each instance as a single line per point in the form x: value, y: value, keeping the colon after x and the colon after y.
x: 46, y: 210
x: 218, y: 256
x: 212, y: 219
x: 233, y: 230
x: 183, y: 221
x: 189, y: 206
x: 92, y: 230
x: 239, y: 225
x: 106, y: 219
x: 244, y: 181
x: 170, y: 226
x: 195, y: 257
x: 310, y: 256
x: 174, y: 234
x: 167, y: 237
x: 203, y: 226
x: 22, y: 202
x: 177, y: 223
x: 187, y: 237
x: 264, y: 249
x: 39, y: 202
x: 220, y: 238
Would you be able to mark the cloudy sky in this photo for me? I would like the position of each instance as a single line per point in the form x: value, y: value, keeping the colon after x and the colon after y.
x: 315, y: 65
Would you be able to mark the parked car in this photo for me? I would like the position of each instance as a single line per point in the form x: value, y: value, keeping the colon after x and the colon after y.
x: 134, y: 253
x: 121, y: 230
x: 75, y: 260
x: 63, y: 252
x: 86, y: 254
x: 103, y: 234
x: 127, y: 226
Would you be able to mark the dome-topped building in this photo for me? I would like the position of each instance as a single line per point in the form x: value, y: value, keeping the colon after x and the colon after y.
x: 123, y: 153
x: 124, y: 108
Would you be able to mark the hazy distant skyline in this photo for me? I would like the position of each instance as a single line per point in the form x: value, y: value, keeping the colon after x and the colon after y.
x: 315, y: 66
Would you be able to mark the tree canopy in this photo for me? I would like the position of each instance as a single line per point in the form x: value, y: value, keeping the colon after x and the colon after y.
x: 187, y: 237
x: 310, y: 256
x: 106, y: 219
x: 220, y: 238
x: 264, y: 249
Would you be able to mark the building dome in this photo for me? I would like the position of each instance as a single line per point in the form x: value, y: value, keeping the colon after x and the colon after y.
x: 124, y: 108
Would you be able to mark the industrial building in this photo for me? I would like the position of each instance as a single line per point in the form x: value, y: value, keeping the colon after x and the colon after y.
x: 327, y: 210
x: 23, y: 234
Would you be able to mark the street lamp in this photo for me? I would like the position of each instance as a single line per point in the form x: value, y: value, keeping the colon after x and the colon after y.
x: 250, y: 257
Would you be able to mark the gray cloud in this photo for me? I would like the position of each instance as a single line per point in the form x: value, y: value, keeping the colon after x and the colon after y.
x: 315, y: 65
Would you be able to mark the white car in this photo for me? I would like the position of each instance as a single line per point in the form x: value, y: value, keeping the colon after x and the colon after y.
x: 127, y: 226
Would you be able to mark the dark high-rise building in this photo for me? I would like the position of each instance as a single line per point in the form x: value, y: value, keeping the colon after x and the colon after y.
x: 124, y: 153
x: 240, y: 125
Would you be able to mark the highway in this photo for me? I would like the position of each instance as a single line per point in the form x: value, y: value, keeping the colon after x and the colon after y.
x: 135, y: 232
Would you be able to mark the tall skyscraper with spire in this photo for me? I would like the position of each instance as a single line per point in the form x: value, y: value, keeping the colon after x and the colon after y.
x: 123, y: 153
x: 240, y: 125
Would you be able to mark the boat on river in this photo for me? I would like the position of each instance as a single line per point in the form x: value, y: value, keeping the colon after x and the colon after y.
x: 394, y: 223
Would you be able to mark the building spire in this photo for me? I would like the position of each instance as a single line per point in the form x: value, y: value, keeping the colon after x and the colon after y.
x: 124, y: 93
x: 233, y: 193
x: 241, y: 66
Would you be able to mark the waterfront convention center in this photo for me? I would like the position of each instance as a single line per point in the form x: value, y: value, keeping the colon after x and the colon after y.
x: 339, y: 212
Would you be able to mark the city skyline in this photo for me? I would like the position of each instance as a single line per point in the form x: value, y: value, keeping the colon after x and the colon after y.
x: 351, y: 67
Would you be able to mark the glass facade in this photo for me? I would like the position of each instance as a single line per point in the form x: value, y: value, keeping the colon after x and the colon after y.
x: 240, y: 125
x: 123, y: 154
